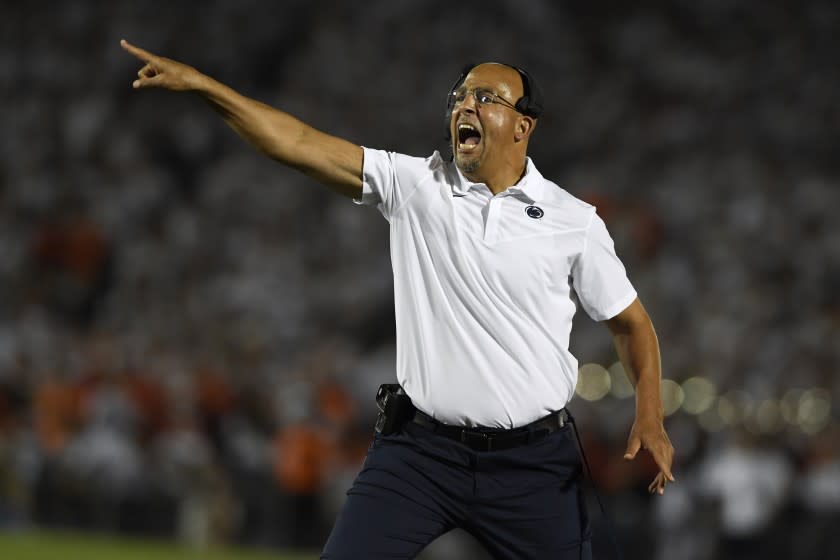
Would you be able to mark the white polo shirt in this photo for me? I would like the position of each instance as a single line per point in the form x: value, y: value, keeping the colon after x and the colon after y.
x: 483, y: 287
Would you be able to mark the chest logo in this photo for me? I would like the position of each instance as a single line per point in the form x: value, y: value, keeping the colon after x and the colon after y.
x: 534, y: 212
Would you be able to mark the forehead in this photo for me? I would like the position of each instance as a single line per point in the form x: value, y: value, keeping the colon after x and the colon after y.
x: 499, y: 78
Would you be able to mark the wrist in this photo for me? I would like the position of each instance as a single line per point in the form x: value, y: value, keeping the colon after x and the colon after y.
x: 644, y: 415
x: 202, y: 83
x: 649, y: 399
x: 650, y: 409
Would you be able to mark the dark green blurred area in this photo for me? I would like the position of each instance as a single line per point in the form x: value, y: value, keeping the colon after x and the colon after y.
x: 47, y: 546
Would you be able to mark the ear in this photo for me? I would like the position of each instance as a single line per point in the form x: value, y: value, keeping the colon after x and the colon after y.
x: 524, y: 126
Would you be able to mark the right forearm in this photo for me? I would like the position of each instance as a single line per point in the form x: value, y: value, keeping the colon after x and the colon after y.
x: 273, y: 132
x: 331, y: 160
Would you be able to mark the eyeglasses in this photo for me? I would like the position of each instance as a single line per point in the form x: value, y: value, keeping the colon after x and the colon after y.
x: 481, y: 96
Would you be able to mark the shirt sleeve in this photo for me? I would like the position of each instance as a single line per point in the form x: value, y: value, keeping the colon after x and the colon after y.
x: 389, y: 178
x: 599, y: 277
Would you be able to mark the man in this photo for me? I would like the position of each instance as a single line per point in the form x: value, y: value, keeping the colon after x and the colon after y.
x: 485, y: 253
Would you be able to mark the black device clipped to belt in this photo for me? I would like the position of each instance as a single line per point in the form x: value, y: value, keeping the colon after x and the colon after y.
x: 395, y: 409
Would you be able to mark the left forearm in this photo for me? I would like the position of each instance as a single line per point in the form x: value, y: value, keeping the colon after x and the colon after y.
x: 639, y: 354
x: 638, y: 349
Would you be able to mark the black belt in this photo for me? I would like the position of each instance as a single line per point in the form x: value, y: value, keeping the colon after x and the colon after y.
x: 493, y: 439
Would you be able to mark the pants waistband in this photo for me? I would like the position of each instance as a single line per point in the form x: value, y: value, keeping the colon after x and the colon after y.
x: 483, y: 439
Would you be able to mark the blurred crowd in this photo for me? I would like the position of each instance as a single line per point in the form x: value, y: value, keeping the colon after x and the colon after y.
x: 191, y: 335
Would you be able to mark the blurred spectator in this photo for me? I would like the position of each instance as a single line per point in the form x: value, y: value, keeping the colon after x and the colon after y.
x: 749, y: 482
x: 73, y: 262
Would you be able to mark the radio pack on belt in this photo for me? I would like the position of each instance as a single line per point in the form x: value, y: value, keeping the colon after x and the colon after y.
x: 395, y: 408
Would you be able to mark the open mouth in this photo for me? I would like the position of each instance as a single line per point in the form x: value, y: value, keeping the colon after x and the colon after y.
x: 468, y: 137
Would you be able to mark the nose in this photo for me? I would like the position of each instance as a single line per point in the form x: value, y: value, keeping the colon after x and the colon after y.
x: 468, y: 104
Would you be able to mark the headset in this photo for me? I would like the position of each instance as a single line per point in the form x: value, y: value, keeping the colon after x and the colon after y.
x: 530, y: 104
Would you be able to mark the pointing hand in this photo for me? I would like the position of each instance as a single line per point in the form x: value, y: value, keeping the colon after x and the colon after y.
x: 162, y: 72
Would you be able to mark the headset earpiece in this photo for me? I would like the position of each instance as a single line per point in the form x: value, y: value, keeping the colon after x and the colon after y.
x: 530, y: 104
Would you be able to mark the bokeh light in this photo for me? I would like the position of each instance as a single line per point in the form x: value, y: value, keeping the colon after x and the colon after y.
x: 711, y: 419
x: 593, y: 382
x: 700, y: 394
x: 620, y: 388
x: 768, y: 417
x: 789, y: 406
x: 672, y: 396
x: 814, y: 410
x: 735, y: 407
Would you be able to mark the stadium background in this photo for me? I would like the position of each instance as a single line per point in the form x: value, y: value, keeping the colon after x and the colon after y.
x: 191, y: 335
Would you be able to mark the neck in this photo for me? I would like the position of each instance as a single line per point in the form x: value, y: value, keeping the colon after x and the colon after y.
x: 501, y: 178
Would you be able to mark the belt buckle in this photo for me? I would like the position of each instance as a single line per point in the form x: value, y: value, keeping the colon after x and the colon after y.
x: 482, y: 440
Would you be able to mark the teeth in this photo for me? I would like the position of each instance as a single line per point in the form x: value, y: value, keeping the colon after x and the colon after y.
x: 466, y: 147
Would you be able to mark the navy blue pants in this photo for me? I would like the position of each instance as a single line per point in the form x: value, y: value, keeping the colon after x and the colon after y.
x: 522, y: 503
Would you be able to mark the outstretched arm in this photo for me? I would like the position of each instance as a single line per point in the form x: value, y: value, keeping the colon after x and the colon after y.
x: 638, y: 350
x: 331, y: 160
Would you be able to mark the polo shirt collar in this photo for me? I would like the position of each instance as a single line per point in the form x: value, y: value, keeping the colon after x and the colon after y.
x: 531, y: 186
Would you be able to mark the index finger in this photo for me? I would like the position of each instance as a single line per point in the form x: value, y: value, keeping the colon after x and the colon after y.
x: 143, y: 55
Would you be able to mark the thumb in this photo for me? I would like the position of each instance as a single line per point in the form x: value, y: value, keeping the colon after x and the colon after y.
x: 143, y: 82
x: 633, y: 447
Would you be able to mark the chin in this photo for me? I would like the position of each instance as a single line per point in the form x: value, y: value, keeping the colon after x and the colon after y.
x: 467, y: 163
x: 469, y: 166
